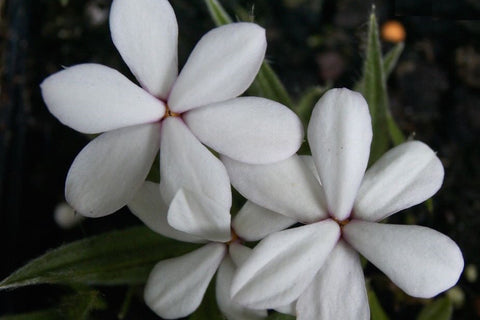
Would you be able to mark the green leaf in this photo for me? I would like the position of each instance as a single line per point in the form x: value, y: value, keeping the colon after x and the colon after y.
x: 49, y: 314
x: 373, y: 86
x: 114, y: 258
x: 78, y: 306
x: 391, y: 58
x: 440, y: 309
x: 217, y: 13
x: 268, y: 85
x: 310, y: 97
x: 376, y: 310
x: 280, y: 316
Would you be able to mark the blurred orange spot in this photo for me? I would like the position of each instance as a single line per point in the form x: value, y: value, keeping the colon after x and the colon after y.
x: 393, y: 31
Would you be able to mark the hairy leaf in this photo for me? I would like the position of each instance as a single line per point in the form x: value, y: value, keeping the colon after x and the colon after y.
x: 373, y: 87
x: 114, y: 258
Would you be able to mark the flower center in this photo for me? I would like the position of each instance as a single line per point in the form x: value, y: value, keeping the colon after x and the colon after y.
x: 343, y: 222
x: 170, y: 113
x: 235, y: 237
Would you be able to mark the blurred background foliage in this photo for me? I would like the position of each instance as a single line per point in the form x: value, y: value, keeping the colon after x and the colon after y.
x: 434, y: 96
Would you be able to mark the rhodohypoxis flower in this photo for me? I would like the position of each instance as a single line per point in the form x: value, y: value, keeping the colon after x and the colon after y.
x: 176, y: 112
x: 176, y: 286
x: 341, y: 205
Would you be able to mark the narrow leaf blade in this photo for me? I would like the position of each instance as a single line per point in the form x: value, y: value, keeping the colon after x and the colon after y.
x: 391, y: 58
x: 114, y: 258
x: 217, y: 13
x: 373, y: 86
x: 268, y: 85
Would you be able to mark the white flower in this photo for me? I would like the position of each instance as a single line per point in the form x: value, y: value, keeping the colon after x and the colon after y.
x: 318, y: 263
x: 175, y: 287
x: 175, y: 111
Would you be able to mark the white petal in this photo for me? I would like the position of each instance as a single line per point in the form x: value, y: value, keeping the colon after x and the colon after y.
x: 308, y: 160
x: 403, y: 177
x: 290, y: 308
x: 286, y: 187
x: 283, y: 264
x: 198, y: 215
x: 106, y: 174
x: 231, y: 309
x: 92, y: 98
x: 340, y: 134
x: 253, y: 222
x: 248, y: 129
x: 239, y: 253
x: 175, y: 287
x: 421, y: 261
x: 145, y: 33
x: 149, y: 207
x: 185, y: 162
x: 222, y: 66
x: 338, y: 290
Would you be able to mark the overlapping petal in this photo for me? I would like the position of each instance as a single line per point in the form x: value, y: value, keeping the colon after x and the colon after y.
x: 200, y: 216
x: 186, y: 163
x: 421, y: 261
x: 175, y: 287
x: 340, y: 133
x: 222, y: 66
x: 106, y: 174
x: 253, y: 222
x: 149, y: 207
x: 145, y: 33
x: 287, y: 187
x: 404, y: 176
x: 239, y: 253
x: 92, y: 98
x: 308, y: 160
x: 338, y: 290
x: 231, y: 309
x: 283, y: 264
x: 248, y: 129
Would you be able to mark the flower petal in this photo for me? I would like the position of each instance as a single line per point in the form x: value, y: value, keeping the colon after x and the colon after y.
x: 175, y: 287
x: 248, y: 129
x: 198, y: 215
x: 421, y: 261
x: 290, y: 308
x: 149, y: 207
x: 403, y: 177
x: 239, y: 253
x: 92, y: 98
x: 283, y: 264
x: 287, y: 187
x: 308, y: 160
x: 185, y: 162
x: 338, y: 290
x: 106, y: 174
x: 253, y: 222
x: 145, y: 33
x: 222, y: 66
x: 340, y: 134
x: 231, y: 309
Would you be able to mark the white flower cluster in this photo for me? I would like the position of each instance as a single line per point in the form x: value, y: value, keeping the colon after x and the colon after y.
x: 312, y: 270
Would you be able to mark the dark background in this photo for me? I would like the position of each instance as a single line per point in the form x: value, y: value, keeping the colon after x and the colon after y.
x: 434, y: 95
